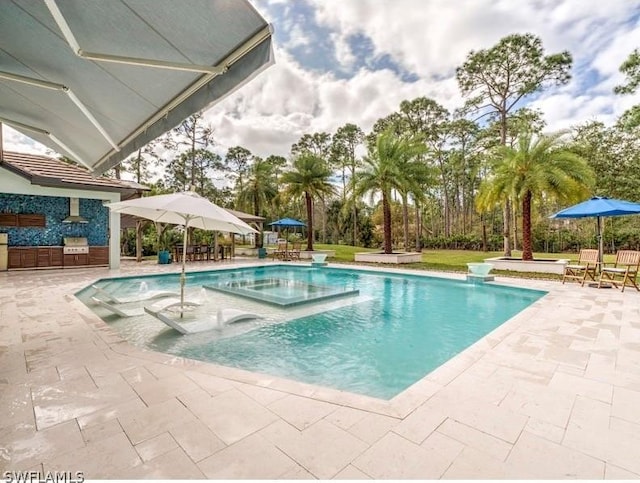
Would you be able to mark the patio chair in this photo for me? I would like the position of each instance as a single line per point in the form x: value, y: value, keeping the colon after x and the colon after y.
x: 294, y: 253
x: 281, y: 251
x: 140, y: 297
x: 166, y: 314
x: 624, y: 272
x: 586, y: 267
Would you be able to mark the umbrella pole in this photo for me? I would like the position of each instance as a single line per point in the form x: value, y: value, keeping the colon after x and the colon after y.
x: 183, y: 277
x: 600, y: 243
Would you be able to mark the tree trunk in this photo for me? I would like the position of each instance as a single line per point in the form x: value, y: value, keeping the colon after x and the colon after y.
x: 527, y: 252
x: 355, y: 223
x: 193, y: 155
x: 514, y: 224
x: 307, y: 199
x: 324, y: 221
x: 344, y: 184
x: 139, y: 225
x: 484, y: 233
x: 506, y: 230
x: 418, y: 228
x: 355, y: 202
x: 386, y: 214
x: 256, y: 211
x: 405, y: 222
x: 507, y: 206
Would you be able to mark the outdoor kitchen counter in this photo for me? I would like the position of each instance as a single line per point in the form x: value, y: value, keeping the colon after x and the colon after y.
x: 21, y: 257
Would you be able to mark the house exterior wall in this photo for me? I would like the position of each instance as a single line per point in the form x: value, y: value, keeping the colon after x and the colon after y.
x: 108, y: 234
x: 55, y: 209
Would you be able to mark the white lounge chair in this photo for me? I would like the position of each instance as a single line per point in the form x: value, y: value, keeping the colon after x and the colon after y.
x: 141, y: 297
x: 209, y: 322
x: 116, y: 309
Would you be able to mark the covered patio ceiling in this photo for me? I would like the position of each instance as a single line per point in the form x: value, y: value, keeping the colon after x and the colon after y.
x: 96, y: 80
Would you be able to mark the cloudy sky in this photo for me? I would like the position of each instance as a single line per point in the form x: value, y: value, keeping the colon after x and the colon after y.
x: 340, y: 61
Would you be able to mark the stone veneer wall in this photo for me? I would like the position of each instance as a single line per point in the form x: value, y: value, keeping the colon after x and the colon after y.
x: 55, y: 210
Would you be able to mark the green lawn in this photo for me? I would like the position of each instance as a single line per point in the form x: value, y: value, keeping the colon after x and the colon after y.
x: 454, y: 260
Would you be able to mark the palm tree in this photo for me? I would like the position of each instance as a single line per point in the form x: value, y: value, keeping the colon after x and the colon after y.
x: 389, y: 167
x: 309, y: 178
x: 259, y: 189
x: 534, y: 168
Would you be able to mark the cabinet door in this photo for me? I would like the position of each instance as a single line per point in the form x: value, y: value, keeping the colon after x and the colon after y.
x: 69, y: 260
x: 56, y: 257
x: 15, y: 258
x: 98, y: 255
x: 29, y: 257
x: 44, y: 257
x: 82, y: 259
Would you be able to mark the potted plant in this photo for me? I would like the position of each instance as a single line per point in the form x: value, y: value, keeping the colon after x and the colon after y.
x: 165, y: 243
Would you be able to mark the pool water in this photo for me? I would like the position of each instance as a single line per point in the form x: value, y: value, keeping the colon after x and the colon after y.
x: 397, y: 330
x: 280, y: 291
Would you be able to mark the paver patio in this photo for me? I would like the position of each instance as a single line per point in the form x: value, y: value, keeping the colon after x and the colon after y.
x: 552, y: 393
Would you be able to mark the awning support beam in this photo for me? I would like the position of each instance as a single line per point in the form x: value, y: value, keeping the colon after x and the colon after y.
x: 44, y: 132
x: 62, y: 88
x: 118, y: 59
x: 236, y: 55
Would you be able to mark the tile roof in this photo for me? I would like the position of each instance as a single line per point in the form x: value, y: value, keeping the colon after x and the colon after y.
x: 47, y: 171
x: 246, y: 217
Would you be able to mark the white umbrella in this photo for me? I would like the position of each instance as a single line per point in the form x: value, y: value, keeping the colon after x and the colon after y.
x: 188, y: 209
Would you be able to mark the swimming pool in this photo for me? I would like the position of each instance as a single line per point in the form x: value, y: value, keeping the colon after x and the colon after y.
x: 378, y: 342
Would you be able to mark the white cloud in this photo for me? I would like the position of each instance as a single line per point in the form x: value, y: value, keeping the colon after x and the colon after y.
x: 14, y: 141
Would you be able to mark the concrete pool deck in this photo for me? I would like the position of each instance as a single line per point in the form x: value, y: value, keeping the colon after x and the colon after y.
x: 552, y: 393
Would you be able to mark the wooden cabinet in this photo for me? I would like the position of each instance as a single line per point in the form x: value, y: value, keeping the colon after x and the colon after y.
x: 56, y: 257
x: 22, y: 257
x: 26, y: 220
x: 98, y: 255
x: 76, y: 259
x: 49, y: 256
x: 14, y: 258
x: 8, y: 219
x: 43, y: 257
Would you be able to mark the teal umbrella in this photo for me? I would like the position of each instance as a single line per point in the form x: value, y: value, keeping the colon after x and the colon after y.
x: 598, y: 207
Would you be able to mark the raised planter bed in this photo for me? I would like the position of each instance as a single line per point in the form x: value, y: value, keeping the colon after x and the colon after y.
x: 306, y: 254
x: 519, y: 265
x: 392, y: 258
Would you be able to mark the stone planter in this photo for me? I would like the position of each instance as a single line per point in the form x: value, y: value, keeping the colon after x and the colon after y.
x: 392, y: 258
x: 518, y: 265
x: 306, y: 254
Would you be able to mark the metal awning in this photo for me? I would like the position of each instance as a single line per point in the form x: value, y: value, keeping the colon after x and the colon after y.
x: 98, y: 79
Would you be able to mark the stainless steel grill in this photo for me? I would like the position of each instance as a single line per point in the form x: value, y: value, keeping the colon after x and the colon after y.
x: 75, y: 245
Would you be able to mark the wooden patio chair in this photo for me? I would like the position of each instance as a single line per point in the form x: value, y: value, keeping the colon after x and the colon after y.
x: 586, y: 266
x: 294, y: 253
x: 624, y: 272
x: 281, y: 250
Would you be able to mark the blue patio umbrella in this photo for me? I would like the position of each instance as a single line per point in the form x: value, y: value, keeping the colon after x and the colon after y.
x: 287, y: 223
x: 598, y: 207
